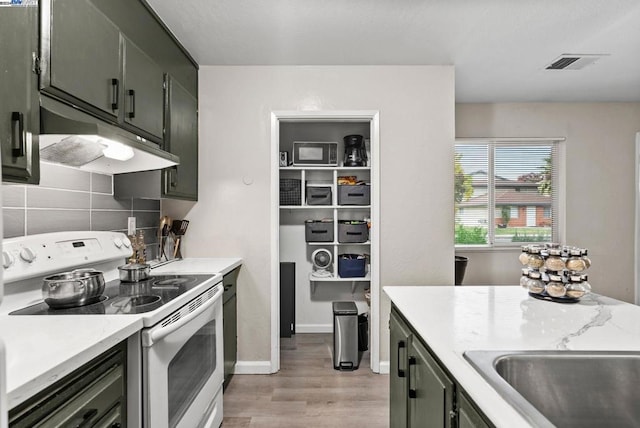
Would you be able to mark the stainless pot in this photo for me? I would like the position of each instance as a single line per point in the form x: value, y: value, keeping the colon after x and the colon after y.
x: 134, y: 272
x: 70, y: 289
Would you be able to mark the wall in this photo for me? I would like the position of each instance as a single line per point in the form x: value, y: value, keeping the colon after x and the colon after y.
x: 232, y: 215
x: 72, y: 199
x: 599, y: 174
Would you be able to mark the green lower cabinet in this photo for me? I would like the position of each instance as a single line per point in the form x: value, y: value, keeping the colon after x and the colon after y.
x: 422, y: 392
x: 468, y: 416
x: 431, y: 392
x: 399, y: 335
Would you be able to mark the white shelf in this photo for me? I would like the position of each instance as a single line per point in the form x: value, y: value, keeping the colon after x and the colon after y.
x: 315, y: 207
x: 354, y: 281
x: 325, y: 168
x: 338, y: 243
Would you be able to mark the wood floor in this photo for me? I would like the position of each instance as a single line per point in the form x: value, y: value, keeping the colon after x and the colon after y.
x: 307, y: 392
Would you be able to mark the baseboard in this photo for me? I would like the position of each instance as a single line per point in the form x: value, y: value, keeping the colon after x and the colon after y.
x: 252, y: 367
x: 314, y: 328
x: 385, y: 367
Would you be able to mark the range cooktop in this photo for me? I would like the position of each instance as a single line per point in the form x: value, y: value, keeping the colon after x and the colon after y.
x: 127, y: 297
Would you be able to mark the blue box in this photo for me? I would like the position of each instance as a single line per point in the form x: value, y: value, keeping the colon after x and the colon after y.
x: 352, y: 266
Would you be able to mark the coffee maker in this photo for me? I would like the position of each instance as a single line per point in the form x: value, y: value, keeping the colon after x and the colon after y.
x: 355, y: 152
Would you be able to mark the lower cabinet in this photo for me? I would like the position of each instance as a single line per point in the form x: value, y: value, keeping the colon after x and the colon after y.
x: 422, y: 393
x: 230, y: 324
x: 95, y: 395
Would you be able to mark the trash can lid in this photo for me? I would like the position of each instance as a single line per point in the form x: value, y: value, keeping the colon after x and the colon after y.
x: 345, y: 308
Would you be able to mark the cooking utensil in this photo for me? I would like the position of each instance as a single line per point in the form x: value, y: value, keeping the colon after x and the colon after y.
x: 134, y: 272
x: 70, y: 289
x: 165, y: 226
x: 178, y: 228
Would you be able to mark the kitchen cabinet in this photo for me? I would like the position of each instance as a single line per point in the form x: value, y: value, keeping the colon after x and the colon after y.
x: 19, y: 109
x: 181, y: 181
x: 92, y: 395
x: 398, y: 391
x: 143, y: 91
x: 422, y: 393
x: 468, y: 416
x: 230, y: 323
x: 82, y: 54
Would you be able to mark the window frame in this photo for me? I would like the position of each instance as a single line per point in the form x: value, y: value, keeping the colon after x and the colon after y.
x: 558, y: 198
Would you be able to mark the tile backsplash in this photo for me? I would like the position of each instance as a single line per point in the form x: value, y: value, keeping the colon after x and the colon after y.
x: 72, y: 199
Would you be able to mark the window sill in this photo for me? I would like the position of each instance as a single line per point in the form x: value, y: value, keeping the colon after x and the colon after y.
x: 487, y: 249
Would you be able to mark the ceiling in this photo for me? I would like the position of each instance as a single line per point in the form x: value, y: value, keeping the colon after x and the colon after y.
x: 499, y: 48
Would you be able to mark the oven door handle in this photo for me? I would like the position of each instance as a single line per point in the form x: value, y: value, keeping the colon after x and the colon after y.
x: 162, y: 332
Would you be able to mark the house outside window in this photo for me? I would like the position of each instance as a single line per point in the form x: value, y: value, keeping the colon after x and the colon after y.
x: 514, y: 183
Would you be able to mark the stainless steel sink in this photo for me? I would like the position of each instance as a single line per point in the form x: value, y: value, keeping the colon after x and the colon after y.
x: 566, y: 388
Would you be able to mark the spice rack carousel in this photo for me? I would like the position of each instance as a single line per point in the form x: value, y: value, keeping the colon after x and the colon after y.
x: 555, y: 273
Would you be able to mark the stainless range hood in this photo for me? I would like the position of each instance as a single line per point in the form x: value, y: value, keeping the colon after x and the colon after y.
x: 71, y: 137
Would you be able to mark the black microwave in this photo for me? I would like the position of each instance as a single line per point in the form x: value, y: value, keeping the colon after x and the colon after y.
x: 311, y: 153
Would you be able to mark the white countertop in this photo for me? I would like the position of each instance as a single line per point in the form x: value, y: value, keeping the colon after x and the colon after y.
x: 199, y: 266
x: 42, y: 349
x: 452, y: 320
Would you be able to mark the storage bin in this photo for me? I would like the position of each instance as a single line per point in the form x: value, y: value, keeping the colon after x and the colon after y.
x: 290, y: 191
x: 318, y: 195
x: 355, y: 231
x: 318, y: 230
x: 352, y: 266
x: 354, y: 195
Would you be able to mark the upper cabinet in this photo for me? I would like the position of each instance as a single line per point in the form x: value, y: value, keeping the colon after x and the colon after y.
x: 19, y: 112
x: 89, y: 61
x: 181, y: 181
x: 144, y: 91
x: 82, y: 56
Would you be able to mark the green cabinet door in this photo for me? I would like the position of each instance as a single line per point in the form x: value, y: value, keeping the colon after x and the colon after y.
x: 83, y: 63
x: 143, y: 92
x: 468, y: 416
x: 19, y: 109
x: 181, y: 139
x: 430, y: 390
x: 399, y: 347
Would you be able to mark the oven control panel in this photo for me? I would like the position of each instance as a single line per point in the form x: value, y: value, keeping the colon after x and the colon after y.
x: 38, y: 255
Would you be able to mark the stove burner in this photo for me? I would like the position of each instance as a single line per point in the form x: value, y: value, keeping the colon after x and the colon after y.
x: 136, y: 301
x: 172, y: 282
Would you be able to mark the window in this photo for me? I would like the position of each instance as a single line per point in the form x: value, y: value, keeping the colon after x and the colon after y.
x: 506, y: 192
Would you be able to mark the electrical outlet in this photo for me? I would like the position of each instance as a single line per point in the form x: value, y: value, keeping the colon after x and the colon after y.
x: 131, y: 226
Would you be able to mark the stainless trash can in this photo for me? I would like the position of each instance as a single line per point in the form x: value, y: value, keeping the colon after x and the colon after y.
x: 345, y: 336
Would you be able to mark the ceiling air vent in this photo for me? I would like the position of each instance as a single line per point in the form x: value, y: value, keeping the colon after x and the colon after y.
x: 573, y: 62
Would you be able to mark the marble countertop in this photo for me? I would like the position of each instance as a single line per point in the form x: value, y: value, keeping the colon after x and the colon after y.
x: 452, y: 320
x: 43, y: 349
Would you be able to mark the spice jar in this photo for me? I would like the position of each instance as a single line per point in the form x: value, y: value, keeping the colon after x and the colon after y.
x: 534, y: 283
x: 576, y: 263
x: 554, y: 261
x: 524, y: 255
x: 575, y: 289
x: 524, y: 278
x: 585, y: 284
x: 535, y: 260
x: 555, y: 287
x: 587, y: 260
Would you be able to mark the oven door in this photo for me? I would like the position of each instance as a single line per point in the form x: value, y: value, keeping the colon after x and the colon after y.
x: 183, y: 367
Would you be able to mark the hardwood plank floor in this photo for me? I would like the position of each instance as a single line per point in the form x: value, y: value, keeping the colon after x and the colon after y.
x: 308, y: 392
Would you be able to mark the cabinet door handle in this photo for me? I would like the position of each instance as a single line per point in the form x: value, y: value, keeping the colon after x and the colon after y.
x: 401, y: 345
x: 412, y: 391
x: 17, y: 134
x: 173, y: 176
x: 86, y: 418
x: 132, y: 95
x: 115, y: 94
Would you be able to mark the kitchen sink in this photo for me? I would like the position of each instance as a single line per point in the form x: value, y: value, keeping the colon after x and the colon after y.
x: 566, y: 388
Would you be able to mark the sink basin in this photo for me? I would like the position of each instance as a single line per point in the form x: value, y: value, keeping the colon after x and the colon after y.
x: 566, y: 388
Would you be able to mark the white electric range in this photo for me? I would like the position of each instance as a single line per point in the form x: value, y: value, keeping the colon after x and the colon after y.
x: 181, y: 342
